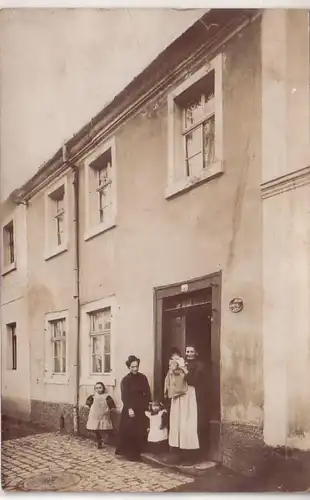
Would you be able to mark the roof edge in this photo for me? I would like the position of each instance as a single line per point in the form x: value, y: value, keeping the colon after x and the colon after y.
x: 148, y: 81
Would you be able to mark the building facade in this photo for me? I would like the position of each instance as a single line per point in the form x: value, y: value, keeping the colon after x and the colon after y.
x: 179, y: 214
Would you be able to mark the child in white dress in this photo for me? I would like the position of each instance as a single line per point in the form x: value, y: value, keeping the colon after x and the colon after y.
x: 99, y: 418
x: 158, y: 431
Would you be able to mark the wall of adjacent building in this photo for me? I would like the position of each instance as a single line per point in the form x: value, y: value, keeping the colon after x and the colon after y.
x: 286, y: 237
x: 15, y: 383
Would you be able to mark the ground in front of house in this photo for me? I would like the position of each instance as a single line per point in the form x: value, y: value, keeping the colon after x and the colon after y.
x: 52, y: 461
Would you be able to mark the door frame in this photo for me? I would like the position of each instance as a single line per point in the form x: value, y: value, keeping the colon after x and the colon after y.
x: 213, y: 280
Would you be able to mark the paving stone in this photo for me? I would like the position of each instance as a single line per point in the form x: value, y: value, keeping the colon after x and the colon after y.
x: 52, y: 456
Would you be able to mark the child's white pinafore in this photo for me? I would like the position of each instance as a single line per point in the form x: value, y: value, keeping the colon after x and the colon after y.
x: 99, y: 414
x: 156, y: 434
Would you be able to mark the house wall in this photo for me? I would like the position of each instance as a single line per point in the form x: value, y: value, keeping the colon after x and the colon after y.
x: 213, y: 227
x: 51, y: 289
x: 156, y: 242
x: 15, y: 383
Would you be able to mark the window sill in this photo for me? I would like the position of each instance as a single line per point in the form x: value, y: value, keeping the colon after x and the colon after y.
x: 55, y: 251
x: 60, y: 379
x: 107, y: 378
x: 9, y: 268
x: 99, y: 229
x: 184, y: 185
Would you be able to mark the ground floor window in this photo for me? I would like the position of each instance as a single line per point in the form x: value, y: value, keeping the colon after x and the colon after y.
x: 58, y: 340
x: 100, y: 340
x: 12, y: 346
x: 56, y: 347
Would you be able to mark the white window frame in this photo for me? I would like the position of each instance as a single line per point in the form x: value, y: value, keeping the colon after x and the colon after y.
x: 50, y: 376
x: 52, y: 249
x: 87, y: 377
x: 102, y: 334
x: 176, y: 142
x: 100, y: 227
x: 7, y: 268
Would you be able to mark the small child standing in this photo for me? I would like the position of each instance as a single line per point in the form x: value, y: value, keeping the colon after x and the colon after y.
x: 158, y: 432
x: 175, y: 381
x: 99, y: 418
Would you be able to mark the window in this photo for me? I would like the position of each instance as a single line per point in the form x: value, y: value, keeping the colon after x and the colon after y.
x: 100, y: 190
x: 8, y: 238
x: 199, y: 130
x: 98, y: 337
x: 12, y: 346
x: 195, y: 129
x: 102, y: 172
x: 56, y: 220
x: 100, y: 340
x: 56, y: 347
x: 58, y: 339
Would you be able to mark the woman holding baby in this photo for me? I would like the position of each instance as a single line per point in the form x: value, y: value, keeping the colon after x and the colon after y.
x: 185, y: 386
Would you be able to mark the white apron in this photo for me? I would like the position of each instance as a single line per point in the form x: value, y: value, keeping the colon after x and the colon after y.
x: 156, y: 434
x: 99, y: 414
x: 184, y: 421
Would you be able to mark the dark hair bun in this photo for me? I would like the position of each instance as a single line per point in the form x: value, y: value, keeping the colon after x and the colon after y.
x: 131, y: 359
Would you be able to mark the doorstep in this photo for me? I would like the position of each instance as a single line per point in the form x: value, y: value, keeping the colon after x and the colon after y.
x: 164, y: 460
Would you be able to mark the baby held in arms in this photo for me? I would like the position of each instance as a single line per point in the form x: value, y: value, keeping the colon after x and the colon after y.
x: 175, y: 381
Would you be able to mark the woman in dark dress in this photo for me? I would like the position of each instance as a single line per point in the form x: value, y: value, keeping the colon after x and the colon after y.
x: 197, y: 378
x: 136, y: 395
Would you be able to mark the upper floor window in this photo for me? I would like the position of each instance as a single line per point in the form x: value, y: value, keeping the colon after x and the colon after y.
x: 199, y: 129
x: 8, y: 246
x: 56, y: 219
x: 195, y: 129
x: 100, y: 190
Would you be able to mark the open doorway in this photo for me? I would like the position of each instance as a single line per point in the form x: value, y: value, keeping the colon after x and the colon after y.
x: 191, y: 317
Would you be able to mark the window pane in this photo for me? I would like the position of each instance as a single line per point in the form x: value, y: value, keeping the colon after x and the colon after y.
x: 64, y: 348
x: 103, y: 176
x: 59, y: 205
x: 63, y: 365
x: 107, y: 343
x: 57, y: 365
x: 57, y: 351
x: 14, y: 349
x: 209, y: 140
x: 60, y: 229
x: 194, y: 112
x: 193, y: 142
x: 96, y: 363
x: 8, y: 242
x: 107, y: 363
x: 107, y: 319
x: 97, y: 321
x: 195, y: 165
x: 97, y: 345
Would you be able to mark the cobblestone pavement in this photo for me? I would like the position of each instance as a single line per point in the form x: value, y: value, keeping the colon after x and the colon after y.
x: 58, y: 462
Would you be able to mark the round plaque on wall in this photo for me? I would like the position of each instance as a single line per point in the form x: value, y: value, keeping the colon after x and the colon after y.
x: 236, y: 305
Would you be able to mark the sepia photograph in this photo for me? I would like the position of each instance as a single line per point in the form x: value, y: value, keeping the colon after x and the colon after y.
x: 155, y: 250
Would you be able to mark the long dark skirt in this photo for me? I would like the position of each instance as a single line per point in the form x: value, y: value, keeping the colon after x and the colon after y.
x: 132, y: 435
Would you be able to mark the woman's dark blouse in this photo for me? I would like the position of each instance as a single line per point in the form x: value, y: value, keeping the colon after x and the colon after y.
x: 135, y: 392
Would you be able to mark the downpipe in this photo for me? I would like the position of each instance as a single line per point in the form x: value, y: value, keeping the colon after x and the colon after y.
x: 76, y: 419
x: 76, y: 295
